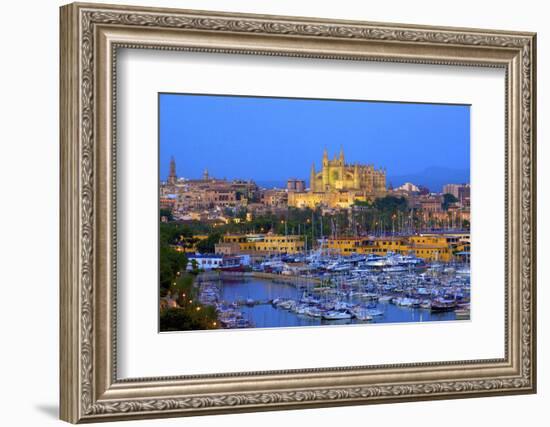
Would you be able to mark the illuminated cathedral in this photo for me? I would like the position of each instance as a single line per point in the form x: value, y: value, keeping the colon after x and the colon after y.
x: 338, y: 184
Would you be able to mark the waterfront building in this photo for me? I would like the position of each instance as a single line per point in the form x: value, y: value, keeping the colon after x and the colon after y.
x: 339, y: 184
x: 228, y: 248
x: 265, y: 244
x: 205, y: 261
x: 433, y: 247
x: 231, y: 244
x: 365, y: 245
x: 215, y: 261
x: 430, y: 247
x: 275, y: 243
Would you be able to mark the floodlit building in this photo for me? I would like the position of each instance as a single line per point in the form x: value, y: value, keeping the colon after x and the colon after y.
x: 339, y: 184
x: 260, y: 244
x: 430, y: 247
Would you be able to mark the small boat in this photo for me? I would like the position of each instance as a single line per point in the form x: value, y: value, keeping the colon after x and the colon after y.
x: 313, y: 312
x: 427, y: 304
x: 300, y: 309
x: 369, y: 296
x: 394, y: 269
x: 373, y: 312
x: 287, y: 305
x: 403, y: 302
x: 442, y: 305
x: 362, y: 315
x: 336, y: 315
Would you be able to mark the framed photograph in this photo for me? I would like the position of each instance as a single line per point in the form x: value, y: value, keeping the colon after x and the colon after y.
x: 265, y: 212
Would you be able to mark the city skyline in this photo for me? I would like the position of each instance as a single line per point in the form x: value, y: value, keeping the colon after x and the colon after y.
x: 336, y: 242
x: 192, y: 125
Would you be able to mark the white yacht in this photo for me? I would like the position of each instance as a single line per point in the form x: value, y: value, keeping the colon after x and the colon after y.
x: 363, y: 315
x: 336, y: 315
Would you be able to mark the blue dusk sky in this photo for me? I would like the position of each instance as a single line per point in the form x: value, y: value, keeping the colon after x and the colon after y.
x: 272, y: 139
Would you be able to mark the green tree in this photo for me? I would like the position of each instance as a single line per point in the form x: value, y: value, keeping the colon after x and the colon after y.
x: 171, y: 263
x: 448, y: 199
x: 391, y: 204
x: 194, y: 266
x: 208, y: 245
x: 167, y: 213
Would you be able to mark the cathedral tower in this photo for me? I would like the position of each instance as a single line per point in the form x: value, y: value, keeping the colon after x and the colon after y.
x: 341, y: 159
x: 325, y: 171
x: 312, y: 178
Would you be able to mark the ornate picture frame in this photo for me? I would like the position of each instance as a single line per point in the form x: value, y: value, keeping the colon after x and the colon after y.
x: 90, y: 37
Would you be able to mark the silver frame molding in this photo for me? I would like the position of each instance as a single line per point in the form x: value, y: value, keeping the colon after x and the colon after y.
x: 90, y: 37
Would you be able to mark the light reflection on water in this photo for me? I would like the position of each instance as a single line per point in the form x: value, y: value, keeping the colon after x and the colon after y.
x: 267, y: 316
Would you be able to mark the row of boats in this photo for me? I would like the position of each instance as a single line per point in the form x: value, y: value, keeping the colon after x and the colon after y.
x: 339, y: 310
x: 318, y: 264
x: 358, y: 288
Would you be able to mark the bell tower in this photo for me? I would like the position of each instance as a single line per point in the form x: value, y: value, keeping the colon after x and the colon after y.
x: 325, y: 171
x: 172, y: 177
x: 312, y: 178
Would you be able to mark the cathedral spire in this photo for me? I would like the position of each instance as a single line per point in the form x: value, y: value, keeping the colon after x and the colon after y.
x: 342, y: 153
x: 325, y: 158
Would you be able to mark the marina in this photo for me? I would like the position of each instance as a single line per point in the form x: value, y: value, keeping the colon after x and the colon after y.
x: 327, y: 290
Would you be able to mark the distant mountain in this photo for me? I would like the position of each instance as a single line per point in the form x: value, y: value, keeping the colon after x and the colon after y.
x: 433, y: 178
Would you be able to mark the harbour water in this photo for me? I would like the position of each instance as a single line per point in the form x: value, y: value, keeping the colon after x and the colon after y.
x: 266, y: 315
